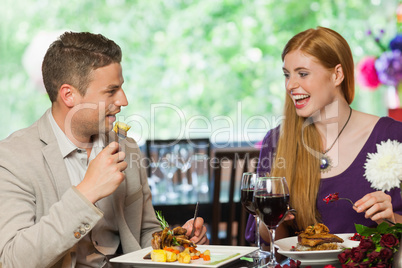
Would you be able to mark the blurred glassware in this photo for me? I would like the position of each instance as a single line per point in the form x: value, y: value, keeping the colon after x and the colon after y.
x: 184, y: 152
x: 167, y: 163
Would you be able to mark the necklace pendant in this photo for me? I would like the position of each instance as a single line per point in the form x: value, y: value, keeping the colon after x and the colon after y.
x: 325, y: 163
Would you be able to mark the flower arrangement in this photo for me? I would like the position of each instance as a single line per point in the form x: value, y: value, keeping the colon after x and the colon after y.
x: 386, y: 68
x: 376, y: 248
x: 384, y: 168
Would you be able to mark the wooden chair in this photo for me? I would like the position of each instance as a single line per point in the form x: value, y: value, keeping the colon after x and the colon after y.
x: 227, y: 166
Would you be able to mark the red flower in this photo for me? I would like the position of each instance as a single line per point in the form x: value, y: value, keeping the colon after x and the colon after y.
x: 344, y: 256
x: 349, y: 265
x: 375, y: 250
x: 367, y: 74
x: 373, y: 256
x: 389, y: 240
x: 383, y: 265
x: 385, y: 254
x: 366, y: 244
x: 357, y: 254
x: 329, y: 266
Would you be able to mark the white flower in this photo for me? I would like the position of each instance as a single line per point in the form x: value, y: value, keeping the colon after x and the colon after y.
x: 384, y: 168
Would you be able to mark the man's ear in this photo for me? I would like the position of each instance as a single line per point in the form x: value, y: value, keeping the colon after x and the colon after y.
x: 67, y: 93
x: 338, y: 75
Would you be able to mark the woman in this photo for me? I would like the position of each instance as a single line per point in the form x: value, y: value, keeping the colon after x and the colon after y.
x: 322, y: 145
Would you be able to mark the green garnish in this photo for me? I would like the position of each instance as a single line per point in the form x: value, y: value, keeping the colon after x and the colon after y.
x: 164, y: 224
x: 161, y: 220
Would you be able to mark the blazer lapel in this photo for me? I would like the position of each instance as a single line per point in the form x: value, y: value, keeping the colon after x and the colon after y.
x: 53, y: 156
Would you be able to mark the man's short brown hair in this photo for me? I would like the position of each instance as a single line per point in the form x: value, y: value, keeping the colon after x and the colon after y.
x: 71, y: 58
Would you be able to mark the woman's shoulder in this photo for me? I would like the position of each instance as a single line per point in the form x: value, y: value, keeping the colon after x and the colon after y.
x: 388, y: 128
x: 378, y: 128
x: 272, y: 136
x: 273, y: 133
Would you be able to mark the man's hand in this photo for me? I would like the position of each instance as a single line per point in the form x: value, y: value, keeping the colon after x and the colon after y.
x: 104, y: 173
x: 200, y: 235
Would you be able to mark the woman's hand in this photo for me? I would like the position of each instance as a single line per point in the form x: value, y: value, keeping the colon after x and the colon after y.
x: 377, y: 206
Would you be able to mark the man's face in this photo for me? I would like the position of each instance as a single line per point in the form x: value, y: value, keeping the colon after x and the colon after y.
x: 96, y: 111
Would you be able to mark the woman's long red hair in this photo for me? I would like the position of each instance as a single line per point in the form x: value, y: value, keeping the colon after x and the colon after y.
x: 298, y: 136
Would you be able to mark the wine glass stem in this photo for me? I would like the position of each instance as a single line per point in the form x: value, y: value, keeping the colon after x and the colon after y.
x: 272, y: 247
x: 257, y: 232
x: 170, y: 183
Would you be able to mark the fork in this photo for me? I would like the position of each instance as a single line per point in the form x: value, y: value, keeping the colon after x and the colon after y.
x: 195, y: 217
x: 353, y: 204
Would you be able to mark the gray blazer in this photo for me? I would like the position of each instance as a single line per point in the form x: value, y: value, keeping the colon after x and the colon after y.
x: 42, y: 215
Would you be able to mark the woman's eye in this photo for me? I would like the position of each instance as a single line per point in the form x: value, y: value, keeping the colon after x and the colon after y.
x: 303, y: 74
x: 286, y: 75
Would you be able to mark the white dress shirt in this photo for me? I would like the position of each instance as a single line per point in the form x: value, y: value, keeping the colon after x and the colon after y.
x: 103, y: 239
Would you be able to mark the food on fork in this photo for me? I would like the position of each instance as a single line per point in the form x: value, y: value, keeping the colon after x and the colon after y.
x: 317, y: 237
x: 121, y: 129
x: 331, y: 198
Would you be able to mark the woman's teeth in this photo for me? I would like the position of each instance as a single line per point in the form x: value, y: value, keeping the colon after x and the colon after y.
x: 300, y: 97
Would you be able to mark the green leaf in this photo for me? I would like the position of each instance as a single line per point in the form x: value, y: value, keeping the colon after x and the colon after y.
x: 360, y: 228
x: 364, y: 230
x: 397, y: 229
x: 161, y: 220
x: 383, y: 228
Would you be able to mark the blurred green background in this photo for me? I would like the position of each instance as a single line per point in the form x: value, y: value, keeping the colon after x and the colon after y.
x: 192, y: 68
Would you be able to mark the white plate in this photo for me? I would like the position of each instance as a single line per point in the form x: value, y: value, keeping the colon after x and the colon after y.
x: 285, y: 248
x: 220, y: 255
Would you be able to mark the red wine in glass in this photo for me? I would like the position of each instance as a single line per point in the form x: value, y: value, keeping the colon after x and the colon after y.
x: 271, y: 197
x: 272, y: 208
x: 247, y: 196
x: 248, y: 183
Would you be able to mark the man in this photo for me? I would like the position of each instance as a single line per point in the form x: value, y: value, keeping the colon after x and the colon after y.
x: 70, y: 192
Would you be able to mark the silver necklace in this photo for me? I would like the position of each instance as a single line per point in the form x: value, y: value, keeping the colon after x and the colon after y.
x: 325, y: 160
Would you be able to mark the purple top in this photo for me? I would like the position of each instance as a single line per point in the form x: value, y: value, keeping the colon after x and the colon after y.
x: 339, y: 216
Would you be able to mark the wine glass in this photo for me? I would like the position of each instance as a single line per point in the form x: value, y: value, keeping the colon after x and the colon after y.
x: 248, y: 183
x: 168, y: 166
x: 184, y: 154
x: 271, y: 197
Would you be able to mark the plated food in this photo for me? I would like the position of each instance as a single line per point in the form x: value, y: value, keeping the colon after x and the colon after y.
x: 170, y: 245
x: 287, y: 247
x: 221, y: 256
x: 317, y: 237
x: 186, y: 255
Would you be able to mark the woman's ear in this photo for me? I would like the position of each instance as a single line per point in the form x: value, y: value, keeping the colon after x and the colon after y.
x: 338, y: 75
x: 66, y: 94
